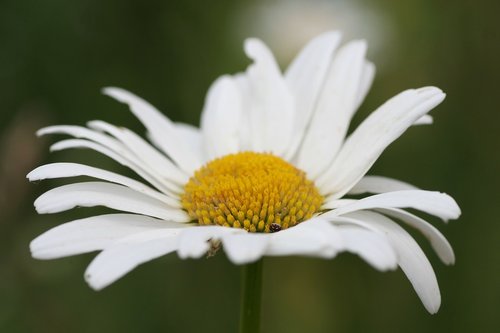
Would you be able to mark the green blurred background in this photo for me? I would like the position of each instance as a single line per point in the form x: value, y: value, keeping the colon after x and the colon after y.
x: 56, y: 55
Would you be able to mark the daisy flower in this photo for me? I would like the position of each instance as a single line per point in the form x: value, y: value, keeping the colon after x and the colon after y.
x: 270, y: 172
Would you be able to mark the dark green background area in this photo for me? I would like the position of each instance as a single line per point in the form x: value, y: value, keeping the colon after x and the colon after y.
x: 56, y: 55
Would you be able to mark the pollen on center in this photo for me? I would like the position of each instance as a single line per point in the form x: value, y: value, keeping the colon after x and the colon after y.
x: 255, y: 191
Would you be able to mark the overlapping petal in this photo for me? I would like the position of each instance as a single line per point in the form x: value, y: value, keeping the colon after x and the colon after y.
x: 91, y: 194
x: 305, y: 77
x: 129, y: 252
x: 222, y: 118
x: 93, y: 234
x: 335, y: 106
x: 271, y: 102
x: 368, y: 141
x: 159, y: 127
x: 155, y: 162
x: 438, y: 242
x: 111, y: 148
x: 379, y: 184
x: 63, y: 170
x: 434, y: 203
x: 411, y: 258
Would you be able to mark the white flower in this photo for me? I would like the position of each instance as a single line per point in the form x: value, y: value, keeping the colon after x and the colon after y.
x: 271, y: 155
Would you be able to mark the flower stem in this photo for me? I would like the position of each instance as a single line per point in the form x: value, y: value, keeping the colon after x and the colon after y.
x: 250, y: 297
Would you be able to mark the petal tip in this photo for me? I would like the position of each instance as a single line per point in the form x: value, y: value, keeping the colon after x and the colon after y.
x: 331, y: 36
x: 433, y: 308
x: 256, y: 49
x: 91, y: 281
x: 43, y: 131
x: 454, y: 208
x: 119, y: 94
x: 109, y: 91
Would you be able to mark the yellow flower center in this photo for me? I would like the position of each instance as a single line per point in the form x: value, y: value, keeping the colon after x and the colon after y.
x: 255, y: 191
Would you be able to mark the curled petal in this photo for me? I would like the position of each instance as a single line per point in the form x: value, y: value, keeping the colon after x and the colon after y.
x: 92, y: 234
x: 379, y: 130
x: 63, y: 170
x: 434, y: 203
x: 159, y: 127
x: 411, y: 258
x: 127, y: 253
x: 91, y: 194
x: 378, y: 184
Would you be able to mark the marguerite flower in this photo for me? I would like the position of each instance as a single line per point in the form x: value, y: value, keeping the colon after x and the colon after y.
x: 266, y: 174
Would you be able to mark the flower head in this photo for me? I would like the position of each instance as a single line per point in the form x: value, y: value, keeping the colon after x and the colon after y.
x: 266, y: 174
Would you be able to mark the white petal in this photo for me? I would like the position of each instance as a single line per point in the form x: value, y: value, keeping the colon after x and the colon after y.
x: 369, y: 140
x: 337, y: 203
x: 315, y: 237
x: 305, y: 77
x: 245, y: 248
x: 119, y: 148
x: 373, y: 247
x: 366, y: 82
x: 434, y: 203
x: 271, y: 112
x: 193, y: 137
x: 107, y: 146
x: 114, y: 196
x: 336, y: 104
x: 438, y: 242
x: 424, y: 120
x: 221, y: 119
x: 92, y: 234
x: 159, y: 127
x: 77, y: 143
x: 411, y: 258
x: 152, y: 160
x: 63, y: 170
x: 195, y: 242
x: 85, y: 133
x: 127, y: 253
x: 379, y: 184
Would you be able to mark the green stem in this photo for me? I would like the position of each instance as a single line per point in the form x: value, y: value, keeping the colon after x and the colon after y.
x: 250, y: 297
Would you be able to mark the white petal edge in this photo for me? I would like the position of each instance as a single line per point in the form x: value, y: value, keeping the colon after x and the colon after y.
x: 379, y: 184
x: 372, y: 247
x: 438, y: 242
x: 424, y: 120
x: 114, y: 149
x: 336, y: 104
x: 127, y: 253
x: 245, y: 248
x: 366, y: 82
x: 64, y: 170
x: 91, y: 194
x: 92, y: 234
x: 315, y: 238
x: 272, y: 109
x: 193, y: 137
x: 159, y: 127
x: 370, y: 139
x: 305, y: 77
x: 431, y: 202
x: 221, y: 119
x: 78, y: 143
x: 152, y: 160
x: 85, y: 133
x: 195, y: 242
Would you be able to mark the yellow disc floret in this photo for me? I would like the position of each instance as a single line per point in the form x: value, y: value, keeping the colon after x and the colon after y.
x: 255, y: 191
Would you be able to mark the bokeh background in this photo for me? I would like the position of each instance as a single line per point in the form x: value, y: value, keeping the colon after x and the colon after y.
x: 56, y: 55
